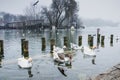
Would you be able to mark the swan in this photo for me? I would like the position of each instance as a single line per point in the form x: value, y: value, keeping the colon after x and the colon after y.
x: 58, y: 55
x: 75, y: 46
x: 58, y: 49
x: 88, y: 51
x: 25, y: 63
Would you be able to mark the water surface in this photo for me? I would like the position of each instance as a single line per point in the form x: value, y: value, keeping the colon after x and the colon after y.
x: 43, y: 65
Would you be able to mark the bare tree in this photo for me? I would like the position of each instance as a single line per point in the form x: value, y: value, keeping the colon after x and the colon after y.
x: 60, y: 11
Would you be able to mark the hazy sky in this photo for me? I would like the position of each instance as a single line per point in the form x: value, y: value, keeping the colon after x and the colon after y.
x: 104, y: 9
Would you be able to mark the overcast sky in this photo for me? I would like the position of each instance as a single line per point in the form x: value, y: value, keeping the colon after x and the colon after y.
x: 89, y: 9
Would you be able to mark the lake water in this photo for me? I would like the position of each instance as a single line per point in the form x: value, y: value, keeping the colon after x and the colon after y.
x: 43, y: 65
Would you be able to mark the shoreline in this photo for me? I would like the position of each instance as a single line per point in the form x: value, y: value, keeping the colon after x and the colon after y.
x: 111, y: 74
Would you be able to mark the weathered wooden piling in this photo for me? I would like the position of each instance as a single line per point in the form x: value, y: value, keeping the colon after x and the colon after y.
x: 90, y: 40
x: 22, y: 52
x: 98, y: 40
x: 80, y: 40
x: 52, y: 43
x: 111, y: 38
x: 25, y: 49
x: 1, y: 48
x: 102, y: 41
x: 66, y: 41
x: 43, y: 44
x: 98, y: 36
x: 0, y: 61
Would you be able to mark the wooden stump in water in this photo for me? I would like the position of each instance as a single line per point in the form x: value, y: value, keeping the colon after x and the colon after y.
x: 111, y: 39
x: 102, y: 41
x: 1, y: 48
x: 25, y: 49
x: 98, y: 38
x: 90, y: 40
x: 80, y: 40
x: 43, y: 44
x: 66, y: 41
x: 22, y: 46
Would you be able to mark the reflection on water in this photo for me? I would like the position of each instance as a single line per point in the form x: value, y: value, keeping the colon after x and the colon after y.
x: 30, y: 73
x: 81, y: 66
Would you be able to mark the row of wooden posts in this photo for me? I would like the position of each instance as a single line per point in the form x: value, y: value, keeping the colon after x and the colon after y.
x: 24, y: 44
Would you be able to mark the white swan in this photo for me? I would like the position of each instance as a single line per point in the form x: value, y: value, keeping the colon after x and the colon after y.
x: 88, y: 51
x: 25, y: 63
x: 58, y: 54
x: 58, y: 49
x: 75, y: 46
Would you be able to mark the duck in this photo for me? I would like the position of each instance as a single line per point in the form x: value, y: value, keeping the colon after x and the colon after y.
x: 25, y: 62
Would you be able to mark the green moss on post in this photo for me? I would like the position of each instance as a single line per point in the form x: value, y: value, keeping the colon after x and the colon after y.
x: 89, y: 36
x: 90, y: 40
x: 25, y: 49
x: 43, y: 44
x: 1, y: 48
x: 80, y: 40
x: 102, y: 41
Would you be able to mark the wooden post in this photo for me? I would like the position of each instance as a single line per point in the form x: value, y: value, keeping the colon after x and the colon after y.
x: 66, y: 41
x: 25, y: 49
x: 22, y: 52
x: 111, y: 38
x: 43, y: 44
x: 89, y: 36
x: 1, y: 48
x: 98, y: 40
x: 80, y: 40
x: 102, y: 41
x: 52, y: 43
x: 98, y: 36
x: 0, y: 61
x: 91, y: 41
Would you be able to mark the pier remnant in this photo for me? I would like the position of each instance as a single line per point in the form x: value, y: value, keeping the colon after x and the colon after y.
x: 90, y: 40
x: 1, y: 48
x: 25, y: 49
x: 111, y: 39
x: 43, y: 44
x: 22, y: 52
x: 80, y: 40
x: 102, y: 41
x: 98, y: 37
x: 66, y: 41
